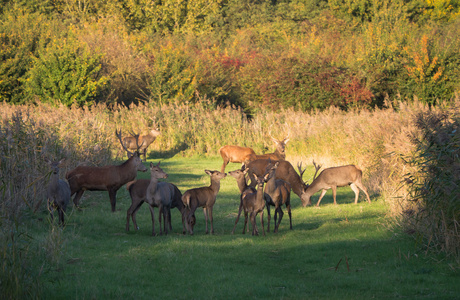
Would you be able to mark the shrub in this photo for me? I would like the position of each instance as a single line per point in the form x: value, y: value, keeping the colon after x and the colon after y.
x: 435, y: 185
x: 65, y: 72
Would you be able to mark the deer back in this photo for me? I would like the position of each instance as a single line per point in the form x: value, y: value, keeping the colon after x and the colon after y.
x: 236, y: 154
x: 336, y: 176
x: 102, y: 178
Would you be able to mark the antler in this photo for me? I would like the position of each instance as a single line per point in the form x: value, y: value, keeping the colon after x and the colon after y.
x: 135, y: 136
x: 317, y: 167
x: 299, y: 166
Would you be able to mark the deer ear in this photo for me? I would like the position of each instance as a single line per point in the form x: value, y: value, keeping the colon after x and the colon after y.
x: 208, y: 172
x: 151, y: 165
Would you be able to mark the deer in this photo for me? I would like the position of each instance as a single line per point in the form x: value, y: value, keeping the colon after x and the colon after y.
x: 277, y: 192
x: 278, y: 154
x: 130, y: 142
x: 202, y: 197
x: 106, y: 178
x: 254, y: 203
x: 235, y: 154
x: 138, y: 192
x: 58, y: 192
x: 334, y: 177
x: 240, y: 176
x: 285, y: 171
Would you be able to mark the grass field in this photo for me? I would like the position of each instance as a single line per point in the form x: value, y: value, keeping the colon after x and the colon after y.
x: 333, y: 252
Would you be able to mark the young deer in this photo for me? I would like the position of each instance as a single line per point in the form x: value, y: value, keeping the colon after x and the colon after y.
x: 240, y: 176
x: 334, y: 177
x: 138, y: 192
x: 254, y: 203
x: 202, y: 197
x: 277, y: 193
x: 161, y: 195
x: 58, y: 192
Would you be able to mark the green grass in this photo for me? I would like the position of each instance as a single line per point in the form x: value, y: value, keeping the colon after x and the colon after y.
x: 333, y: 252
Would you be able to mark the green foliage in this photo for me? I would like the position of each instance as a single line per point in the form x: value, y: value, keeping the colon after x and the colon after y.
x: 65, y: 72
x: 173, y: 75
x: 21, y: 35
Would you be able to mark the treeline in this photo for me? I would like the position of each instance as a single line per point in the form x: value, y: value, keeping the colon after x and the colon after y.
x: 303, y: 54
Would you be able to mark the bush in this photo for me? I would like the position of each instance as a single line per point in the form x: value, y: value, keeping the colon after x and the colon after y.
x: 435, y: 186
x: 65, y: 72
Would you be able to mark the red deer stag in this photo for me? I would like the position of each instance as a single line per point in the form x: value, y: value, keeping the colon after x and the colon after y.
x: 334, y: 177
x: 235, y: 154
x: 254, y: 203
x: 279, y: 154
x: 58, y: 192
x: 285, y: 171
x: 144, y: 140
x: 202, y: 197
x: 106, y: 178
x: 138, y: 192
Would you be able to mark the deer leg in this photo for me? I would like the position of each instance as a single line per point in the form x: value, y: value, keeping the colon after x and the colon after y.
x: 262, y: 221
x: 334, y: 194
x: 189, y: 221
x: 268, y: 217
x: 205, y: 212
x: 153, y: 219
x: 323, y: 192
x: 253, y: 222
x: 245, y: 221
x: 77, y: 197
x: 113, y: 198
x: 133, y: 215
x: 364, y: 189
x: 280, y: 214
x: 211, y: 220
x: 61, y: 216
x: 222, y: 169
x: 356, y: 191
x: 160, y: 213
x: 238, y: 217
x: 288, y: 206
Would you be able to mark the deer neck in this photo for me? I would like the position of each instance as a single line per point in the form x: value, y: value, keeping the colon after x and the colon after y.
x: 153, y: 183
x: 241, y: 182
x: 297, y: 185
x: 260, y: 193
x: 215, y: 186
x: 270, y: 185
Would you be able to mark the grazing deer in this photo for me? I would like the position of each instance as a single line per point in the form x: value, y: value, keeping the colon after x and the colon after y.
x: 202, y: 197
x: 138, y: 191
x: 235, y: 154
x: 106, y: 178
x: 334, y: 177
x: 278, y: 154
x: 277, y: 192
x: 58, y: 192
x: 240, y: 176
x: 144, y: 140
x: 285, y: 171
x: 254, y: 203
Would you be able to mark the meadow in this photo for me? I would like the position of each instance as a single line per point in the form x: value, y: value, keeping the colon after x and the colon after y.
x: 345, y: 251
x: 333, y: 252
